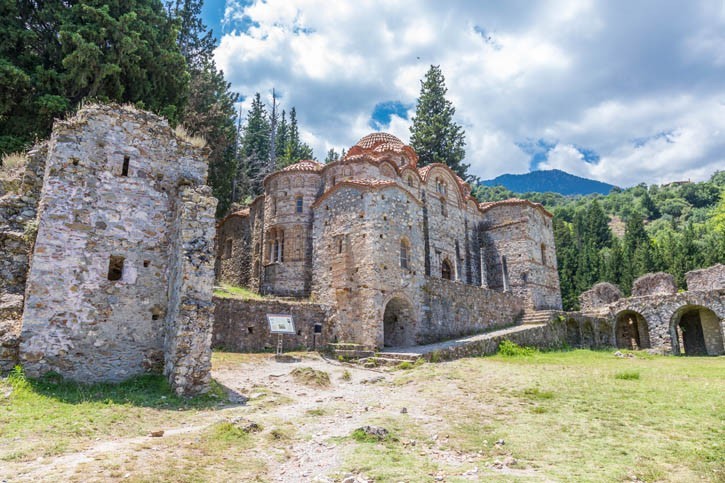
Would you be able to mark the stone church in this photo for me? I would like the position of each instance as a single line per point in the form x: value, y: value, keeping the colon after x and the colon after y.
x: 401, y: 254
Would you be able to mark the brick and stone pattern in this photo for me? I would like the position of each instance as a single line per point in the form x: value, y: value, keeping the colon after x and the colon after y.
x: 712, y: 278
x: 659, y: 283
x: 241, y: 325
x: 123, y: 260
x: 335, y: 232
x: 234, y: 239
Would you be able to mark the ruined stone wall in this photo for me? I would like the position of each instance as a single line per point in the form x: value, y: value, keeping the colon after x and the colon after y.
x: 241, y: 325
x: 256, y: 225
x: 599, y: 296
x: 18, y: 210
x: 654, y: 284
x: 711, y: 278
x: 454, y: 309
x: 189, y: 324
x: 120, y: 221
x: 234, y: 247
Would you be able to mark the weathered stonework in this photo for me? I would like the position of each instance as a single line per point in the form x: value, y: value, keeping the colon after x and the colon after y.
x: 688, y: 323
x: 601, y: 294
x: 402, y: 255
x: 659, y: 283
x: 712, y: 278
x: 241, y: 325
x: 122, y: 270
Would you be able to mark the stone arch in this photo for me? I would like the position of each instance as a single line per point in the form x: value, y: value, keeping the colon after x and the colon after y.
x: 387, y: 170
x: 696, y: 330
x: 573, y: 338
x: 399, y: 322
x: 631, y: 331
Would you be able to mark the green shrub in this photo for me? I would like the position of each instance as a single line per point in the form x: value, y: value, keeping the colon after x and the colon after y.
x: 510, y: 349
x: 627, y: 375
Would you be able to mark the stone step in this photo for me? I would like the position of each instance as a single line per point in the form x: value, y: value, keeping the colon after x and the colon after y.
x: 380, y: 361
x: 346, y: 346
x: 353, y: 353
x: 399, y: 356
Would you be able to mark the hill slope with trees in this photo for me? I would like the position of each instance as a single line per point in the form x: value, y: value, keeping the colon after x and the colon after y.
x: 550, y: 180
x: 617, y: 237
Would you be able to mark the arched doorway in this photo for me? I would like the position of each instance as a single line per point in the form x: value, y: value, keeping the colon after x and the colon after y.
x: 631, y: 331
x: 696, y: 332
x: 446, y: 270
x: 398, y: 323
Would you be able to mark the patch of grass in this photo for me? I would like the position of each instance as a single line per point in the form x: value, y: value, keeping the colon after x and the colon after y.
x: 537, y: 394
x: 510, y: 349
x: 196, y: 141
x: 310, y: 377
x: 227, y: 432
x: 627, y: 375
x: 346, y: 376
x: 226, y: 290
x: 12, y: 163
x: 361, y: 436
x: 315, y: 412
x: 405, y: 365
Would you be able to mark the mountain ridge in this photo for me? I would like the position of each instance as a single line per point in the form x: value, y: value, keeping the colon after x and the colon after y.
x: 549, y: 180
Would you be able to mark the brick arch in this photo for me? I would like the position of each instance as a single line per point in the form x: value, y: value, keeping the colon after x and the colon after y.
x: 696, y: 330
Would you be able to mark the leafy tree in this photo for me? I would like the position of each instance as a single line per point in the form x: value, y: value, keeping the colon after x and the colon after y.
x: 434, y: 135
x: 332, y: 156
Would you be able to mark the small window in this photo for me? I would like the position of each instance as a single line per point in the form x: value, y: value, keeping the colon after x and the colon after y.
x: 543, y: 254
x: 274, y: 206
x: 146, y: 263
x: 298, y: 202
x: 124, y: 169
x: 339, y: 245
x: 404, y: 254
x: 410, y: 181
x: 446, y: 270
x: 250, y: 330
x: 115, y: 268
x: 444, y: 207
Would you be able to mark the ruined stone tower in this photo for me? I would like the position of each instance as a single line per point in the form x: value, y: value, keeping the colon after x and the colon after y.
x: 122, y: 271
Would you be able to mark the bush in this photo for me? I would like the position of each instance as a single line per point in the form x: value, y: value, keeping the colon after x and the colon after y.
x: 627, y: 375
x: 511, y: 349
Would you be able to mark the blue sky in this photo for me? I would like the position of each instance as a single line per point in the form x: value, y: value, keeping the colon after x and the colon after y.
x: 620, y: 91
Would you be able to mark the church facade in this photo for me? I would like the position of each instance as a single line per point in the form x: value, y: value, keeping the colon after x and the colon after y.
x: 401, y: 254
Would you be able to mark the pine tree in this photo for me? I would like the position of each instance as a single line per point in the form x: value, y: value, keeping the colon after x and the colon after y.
x: 195, y: 41
x: 255, y: 145
x: 434, y: 135
x: 332, y: 156
x: 282, y: 136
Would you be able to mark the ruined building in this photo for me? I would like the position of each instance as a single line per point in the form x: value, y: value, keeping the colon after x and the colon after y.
x: 121, y: 273
x: 400, y: 255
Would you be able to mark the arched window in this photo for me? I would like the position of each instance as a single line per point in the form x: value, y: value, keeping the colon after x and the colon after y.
x: 274, y: 206
x: 276, y: 245
x: 446, y: 270
x: 441, y: 186
x: 404, y: 253
x: 543, y: 254
x: 298, y: 203
x: 410, y: 181
x: 444, y: 207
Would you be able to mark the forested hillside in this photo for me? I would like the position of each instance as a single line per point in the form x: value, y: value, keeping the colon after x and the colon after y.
x: 618, y: 237
x: 550, y: 180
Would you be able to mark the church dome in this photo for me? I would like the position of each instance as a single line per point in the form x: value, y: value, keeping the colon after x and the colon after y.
x: 376, y: 139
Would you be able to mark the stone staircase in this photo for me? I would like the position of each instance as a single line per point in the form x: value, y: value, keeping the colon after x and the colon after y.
x: 536, y: 317
x: 370, y: 358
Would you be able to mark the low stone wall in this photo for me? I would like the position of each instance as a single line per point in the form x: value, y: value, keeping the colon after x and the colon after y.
x: 712, y: 278
x: 241, y: 325
x: 454, y: 309
x: 547, y: 336
x: 659, y: 283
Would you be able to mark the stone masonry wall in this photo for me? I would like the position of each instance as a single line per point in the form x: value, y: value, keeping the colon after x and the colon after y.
x: 711, y: 278
x: 120, y: 221
x: 233, y: 262
x: 454, y: 309
x: 18, y: 210
x: 241, y: 325
x: 188, y: 328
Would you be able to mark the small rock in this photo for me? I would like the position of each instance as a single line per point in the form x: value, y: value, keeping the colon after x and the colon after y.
x: 618, y: 354
x: 157, y: 434
x: 500, y: 442
x: 246, y: 425
x: 376, y: 431
x: 404, y: 411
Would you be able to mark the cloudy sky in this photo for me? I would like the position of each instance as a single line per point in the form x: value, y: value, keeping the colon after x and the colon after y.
x: 621, y: 91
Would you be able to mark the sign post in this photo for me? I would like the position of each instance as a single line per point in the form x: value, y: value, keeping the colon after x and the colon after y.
x: 281, y: 324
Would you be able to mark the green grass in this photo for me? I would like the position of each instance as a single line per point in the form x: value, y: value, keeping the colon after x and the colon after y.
x: 627, y: 375
x: 52, y: 416
x: 310, y: 377
x: 226, y: 290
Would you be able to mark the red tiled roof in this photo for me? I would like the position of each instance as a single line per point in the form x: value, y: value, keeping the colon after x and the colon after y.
x: 512, y: 201
x: 373, y: 140
x: 304, y: 165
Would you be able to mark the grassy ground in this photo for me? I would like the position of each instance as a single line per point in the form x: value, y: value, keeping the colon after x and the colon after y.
x: 558, y: 416
x: 226, y: 290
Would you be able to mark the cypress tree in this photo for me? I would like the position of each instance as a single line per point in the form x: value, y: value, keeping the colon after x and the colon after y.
x: 434, y: 135
x: 255, y: 145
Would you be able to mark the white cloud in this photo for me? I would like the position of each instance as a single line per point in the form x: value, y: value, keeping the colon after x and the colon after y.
x: 641, y: 87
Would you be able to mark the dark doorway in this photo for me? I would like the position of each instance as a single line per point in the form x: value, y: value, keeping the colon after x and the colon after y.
x: 690, y: 336
x: 631, y: 331
x: 398, y: 323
